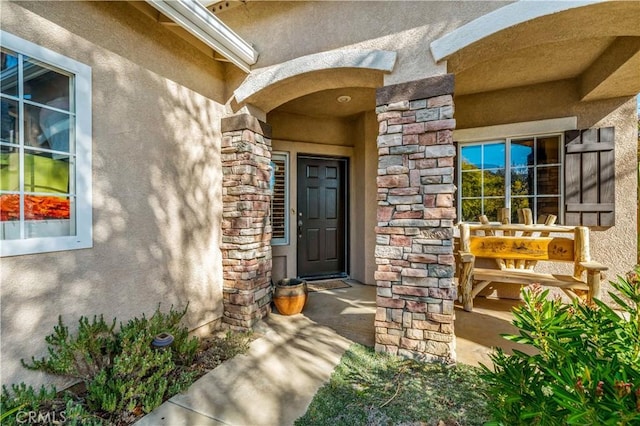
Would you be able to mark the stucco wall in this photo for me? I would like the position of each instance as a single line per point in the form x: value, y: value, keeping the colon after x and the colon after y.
x: 303, y: 128
x: 282, y: 31
x: 365, y: 195
x: 616, y: 247
x: 370, y: 208
x: 156, y: 180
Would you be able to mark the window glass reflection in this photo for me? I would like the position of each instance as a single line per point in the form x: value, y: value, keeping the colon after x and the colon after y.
x: 47, y: 129
x: 9, y: 72
x: 471, y: 157
x: 548, y: 150
x: 522, y: 153
x: 494, y: 156
x: 492, y: 206
x: 9, y: 129
x: 471, y: 184
x: 548, y: 180
x: 494, y: 183
x: 471, y: 209
x: 46, y: 85
x: 45, y: 174
x: 522, y: 181
x: 520, y: 203
x: 531, y: 178
x: 548, y: 205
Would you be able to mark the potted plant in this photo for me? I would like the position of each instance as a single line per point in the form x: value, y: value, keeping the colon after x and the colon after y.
x: 290, y: 295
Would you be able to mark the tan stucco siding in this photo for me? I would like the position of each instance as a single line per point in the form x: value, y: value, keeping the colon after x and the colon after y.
x: 365, y: 199
x: 303, y: 128
x: 368, y: 211
x: 157, y: 199
x: 282, y: 31
x: 616, y: 247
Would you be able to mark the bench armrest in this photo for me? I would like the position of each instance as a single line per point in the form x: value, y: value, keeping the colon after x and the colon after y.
x: 595, y: 266
x: 466, y: 257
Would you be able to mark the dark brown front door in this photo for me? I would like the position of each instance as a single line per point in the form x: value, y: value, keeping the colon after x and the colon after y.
x: 322, y: 247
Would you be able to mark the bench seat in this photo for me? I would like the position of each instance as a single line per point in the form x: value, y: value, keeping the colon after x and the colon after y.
x: 529, y: 277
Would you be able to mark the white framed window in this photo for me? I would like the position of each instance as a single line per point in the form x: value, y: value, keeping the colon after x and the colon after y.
x: 280, y: 198
x: 522, y: 172
x: 549, y: 166
x: 45, y: 150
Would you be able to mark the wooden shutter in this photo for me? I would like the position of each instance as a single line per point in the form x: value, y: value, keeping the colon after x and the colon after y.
x: 589, y: 177
x: 279, y: 200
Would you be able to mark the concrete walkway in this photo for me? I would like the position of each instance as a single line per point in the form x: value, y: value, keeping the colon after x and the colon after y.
x: 275, y: 381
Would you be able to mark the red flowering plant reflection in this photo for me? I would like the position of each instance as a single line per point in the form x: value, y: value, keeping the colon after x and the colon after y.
x: 36, y: 207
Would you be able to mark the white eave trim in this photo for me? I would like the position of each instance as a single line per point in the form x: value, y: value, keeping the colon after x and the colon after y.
x: 199, y: 21
x: 514, y: 130
x: 498, y: 20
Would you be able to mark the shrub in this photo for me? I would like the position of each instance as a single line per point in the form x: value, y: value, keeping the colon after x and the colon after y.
x: 587, y: 369
x: 81, y: 356
x: 25, y: 405
x: 121, y: 371
x: 122, y: 375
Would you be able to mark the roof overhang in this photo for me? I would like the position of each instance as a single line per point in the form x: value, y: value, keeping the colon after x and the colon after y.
x: 594, y: 43
x: 200, y: 22
x: 498, y: 20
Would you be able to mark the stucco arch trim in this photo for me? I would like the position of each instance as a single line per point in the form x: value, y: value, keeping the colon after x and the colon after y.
x: 498, y: 20
x: 270, y: 87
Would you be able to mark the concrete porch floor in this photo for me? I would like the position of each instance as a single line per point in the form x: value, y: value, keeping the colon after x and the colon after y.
x: 351, y: 311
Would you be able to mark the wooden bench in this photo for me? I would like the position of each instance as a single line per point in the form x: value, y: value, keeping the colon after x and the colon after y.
x: 516, y: 250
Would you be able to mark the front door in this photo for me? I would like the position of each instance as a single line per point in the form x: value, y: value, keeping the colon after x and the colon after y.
x: 322, y: 234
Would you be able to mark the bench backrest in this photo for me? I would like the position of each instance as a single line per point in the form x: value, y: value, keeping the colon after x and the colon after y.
x: 521, y: 246
x: 525, y: 248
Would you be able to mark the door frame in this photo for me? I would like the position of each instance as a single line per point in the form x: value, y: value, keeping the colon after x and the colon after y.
x: 347, y: 213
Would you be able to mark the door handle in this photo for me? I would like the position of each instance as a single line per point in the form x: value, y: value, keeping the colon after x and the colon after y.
x: 300, y: 228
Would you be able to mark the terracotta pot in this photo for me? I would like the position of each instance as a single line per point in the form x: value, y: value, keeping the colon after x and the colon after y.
x: 290, y: 296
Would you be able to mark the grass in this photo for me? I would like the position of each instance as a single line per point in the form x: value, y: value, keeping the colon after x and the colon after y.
x: 369, y: 388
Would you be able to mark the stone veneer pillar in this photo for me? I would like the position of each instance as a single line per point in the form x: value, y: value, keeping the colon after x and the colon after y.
x: 414, y: 250
x: 246, y: 226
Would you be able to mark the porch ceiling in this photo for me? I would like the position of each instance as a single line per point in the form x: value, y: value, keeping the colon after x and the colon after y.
x: 326, y: 104
x: 598, y: 45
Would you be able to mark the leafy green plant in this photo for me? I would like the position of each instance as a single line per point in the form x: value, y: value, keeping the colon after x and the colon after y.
x: 76, y: 414
x: 23, y: 398
x: 121, y: 370
x: 183, y: 348
x: 122, y: 374
x: 26, y: 405
x: 587, y: 369
x: 81, y: 356
x: 138, y: 370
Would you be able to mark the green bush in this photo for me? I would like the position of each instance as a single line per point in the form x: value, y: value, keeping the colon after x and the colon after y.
x: 121, y: 371
x: 586, y: 370
x: 81, y: 356
x: 45, y: 405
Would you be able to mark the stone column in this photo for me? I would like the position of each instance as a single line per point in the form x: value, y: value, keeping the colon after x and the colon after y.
x: 414, y: 250
x: 246, y: 224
